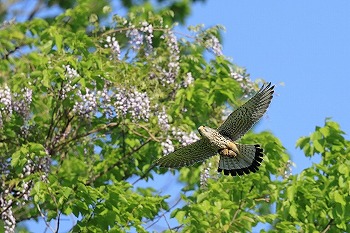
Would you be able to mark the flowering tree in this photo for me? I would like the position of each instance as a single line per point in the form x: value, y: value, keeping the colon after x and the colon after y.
x: 84, y: 107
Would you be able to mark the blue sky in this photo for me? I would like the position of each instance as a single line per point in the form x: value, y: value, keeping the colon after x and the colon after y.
x: 303, y: 44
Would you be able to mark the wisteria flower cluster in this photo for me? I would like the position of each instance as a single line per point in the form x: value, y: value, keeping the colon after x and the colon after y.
x: 22, y: 190
x: 7, y: 215
x: 5, y: 101
x: 133, y: 102
x: 105, y: 104
x: 6, y: 23
x: 205, y: 174
x: 245, y: 83
x: 167, y: 146
x: 213, y: 44
x: 112, y: 43
x: 140, y: 36
x: 188, y: 79
x: 22, y: 102
x: 87, y: 104
x: 113, y: 102
x: 172, y: 70
x: 163, y: 120
x: 288, y: 169
x: 14, y: 102
x: 67, y: 87
x: 181, y: 136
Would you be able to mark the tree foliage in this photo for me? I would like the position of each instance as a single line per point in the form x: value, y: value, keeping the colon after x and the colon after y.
x: 85, y: 107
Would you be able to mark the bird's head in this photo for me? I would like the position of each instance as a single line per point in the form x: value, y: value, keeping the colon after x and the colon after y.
x: 206, y: 131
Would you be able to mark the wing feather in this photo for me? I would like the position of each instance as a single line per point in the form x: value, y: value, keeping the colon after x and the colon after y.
x: 188, y: 155
x: 244, y: 117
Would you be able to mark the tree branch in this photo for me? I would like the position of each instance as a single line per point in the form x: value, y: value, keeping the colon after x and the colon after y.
x: 177, y: 228
x: 241, y: 203
x: 328, y: 226
x: 144, y: 175
x: 6, y: 55
x: 149, y: 133
x: 103, y: 127
x: 117, y: 163
x: 35, y: 10
x: 167, y: 211
x: 43, y: 216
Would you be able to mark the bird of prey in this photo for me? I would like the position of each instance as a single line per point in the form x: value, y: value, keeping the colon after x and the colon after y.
x: 235, y: 158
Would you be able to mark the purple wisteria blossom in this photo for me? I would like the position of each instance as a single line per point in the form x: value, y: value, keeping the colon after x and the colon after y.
x: 205, y: 174
x: 11, y: 102
x: 112, y: 43
x: 132, y: 102
x: 188, y: 79
x: 244, y: 81
x: 163, y: 121
x: 183, y: 137
x: 167, y: 146
x: 71, y: 73
x: 171, y: 71
x: 213, y: 44
x: 22, y: 101
x: 87, y: 104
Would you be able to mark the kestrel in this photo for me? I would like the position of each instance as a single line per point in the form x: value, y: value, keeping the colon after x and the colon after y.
x: 235, y: 158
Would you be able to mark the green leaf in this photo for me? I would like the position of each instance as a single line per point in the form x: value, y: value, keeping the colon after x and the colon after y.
x: 66, y: 191
x: 301, y: 142
x: 318, y: 146
x: 325, y: 131
x: 341, y: 182
x: 46, y: 48
x: 316, y: 136
x: 179, y: 215
x: 202, y: 196
x: 58, y: 41
x: 343, y: 169
x: 339, y: 198
x: 293, y: 211
x: 290, y: 192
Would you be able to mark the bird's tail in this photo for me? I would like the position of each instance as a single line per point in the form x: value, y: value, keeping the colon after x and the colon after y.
x: 247, y: 160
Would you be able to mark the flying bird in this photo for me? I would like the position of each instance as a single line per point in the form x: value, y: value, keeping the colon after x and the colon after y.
x: 235, y: 158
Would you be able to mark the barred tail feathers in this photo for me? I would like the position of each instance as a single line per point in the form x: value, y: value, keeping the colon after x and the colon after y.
x: 248, y: 160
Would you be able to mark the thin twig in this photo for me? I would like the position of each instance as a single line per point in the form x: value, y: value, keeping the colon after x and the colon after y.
x: 35, y: 10
x: 110, y: 125
x: 167, y: 211
x: 177, y: 228
x: 43, y: 216
x: 6, y: 55
x: 58, y: 222
x: 50, y: 131
x: 328, y: 226
x: 238, y: 210
x: 144, y: 175
x: 149, y: 133
x: 166, y: 222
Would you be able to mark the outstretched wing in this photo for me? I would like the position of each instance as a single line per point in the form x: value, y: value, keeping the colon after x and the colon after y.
x: 247, y: 160
x: 244, y: 117
x: 188, y: 155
